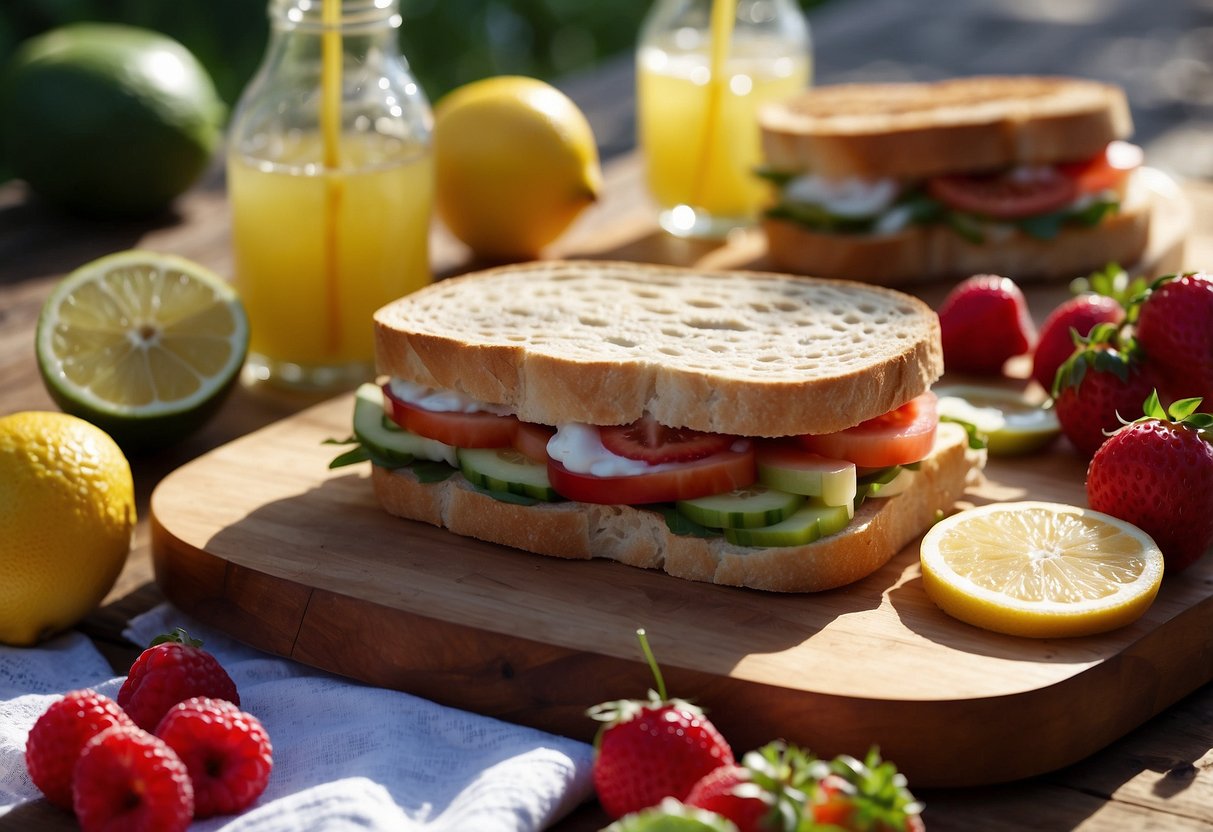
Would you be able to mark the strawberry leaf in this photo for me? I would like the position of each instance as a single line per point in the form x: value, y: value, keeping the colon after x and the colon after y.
x: 1180, y: 410
x: 1152, y: 407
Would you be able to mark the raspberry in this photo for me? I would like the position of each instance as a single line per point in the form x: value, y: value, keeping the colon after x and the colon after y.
x: 59, y: 735
x: 226, y: 750
x: 130, y: 780
x: 169, y: 672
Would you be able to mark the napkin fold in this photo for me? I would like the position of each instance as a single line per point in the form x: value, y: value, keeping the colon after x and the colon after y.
x: 346, y: 755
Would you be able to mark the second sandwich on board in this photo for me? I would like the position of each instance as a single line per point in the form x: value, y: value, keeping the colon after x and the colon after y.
x: 749, y: 429
x: 899, y: 183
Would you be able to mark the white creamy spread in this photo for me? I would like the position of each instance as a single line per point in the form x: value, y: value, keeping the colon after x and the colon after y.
x: 442, y: 401
x: 851, y: 197
x: 576, y: 446
x: 579, y: 448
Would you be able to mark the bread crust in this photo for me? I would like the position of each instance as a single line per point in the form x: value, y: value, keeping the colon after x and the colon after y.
x: 926, y: 253
x: 740, y: 353
x: 641, y: 538
x: 917, y: 130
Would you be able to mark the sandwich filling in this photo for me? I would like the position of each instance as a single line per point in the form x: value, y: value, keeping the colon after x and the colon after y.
x: 753, y: 491
x: 1038, y: 200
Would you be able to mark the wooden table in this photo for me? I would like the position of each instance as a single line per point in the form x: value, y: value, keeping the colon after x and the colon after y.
x: 1157, y: 777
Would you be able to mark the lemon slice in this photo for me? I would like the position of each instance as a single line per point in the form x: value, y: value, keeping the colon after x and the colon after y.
x: 1011, y: 424
x: 1040, y: 569
x: 144, y: 345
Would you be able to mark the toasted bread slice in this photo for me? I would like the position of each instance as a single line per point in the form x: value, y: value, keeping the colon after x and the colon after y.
x: 916, y: 130
x: 637, y: 537
x: 924, y: 253
x: 745, y: 353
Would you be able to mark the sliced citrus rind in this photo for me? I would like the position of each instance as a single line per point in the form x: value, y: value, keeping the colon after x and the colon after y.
x: 1039, y: 569
x: 143, y: 344
x: 1012, y: 424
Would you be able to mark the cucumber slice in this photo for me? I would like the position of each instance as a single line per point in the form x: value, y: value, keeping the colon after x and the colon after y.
x: 387, y: 440
x: 506, y: 470
x: 893, y: 487
x: 873, y: 481
x: 791, y: 469
x: 742, y: 509
x: 808, y: 523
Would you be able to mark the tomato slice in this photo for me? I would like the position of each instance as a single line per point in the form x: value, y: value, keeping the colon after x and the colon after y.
x: 650, y: 441
x: 715, y: 474
x: 463, y: 430
x: 1108, y: 170
x: 898, y: 437
x: 532, y: 440
x: 1010, y: 195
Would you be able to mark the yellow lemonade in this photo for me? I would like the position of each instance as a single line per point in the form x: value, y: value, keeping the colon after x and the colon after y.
x: 701, y: 144
x: 319, y: 249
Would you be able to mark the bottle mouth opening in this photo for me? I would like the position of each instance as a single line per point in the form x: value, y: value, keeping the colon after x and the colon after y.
x: 351, y: 15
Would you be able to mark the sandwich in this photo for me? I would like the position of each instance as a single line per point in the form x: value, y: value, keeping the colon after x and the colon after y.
x: 1029, y: 177
x: 740, y: 428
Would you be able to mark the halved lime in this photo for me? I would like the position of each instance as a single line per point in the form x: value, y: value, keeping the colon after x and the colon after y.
x: 1011, y: 423
x: 144, y: 345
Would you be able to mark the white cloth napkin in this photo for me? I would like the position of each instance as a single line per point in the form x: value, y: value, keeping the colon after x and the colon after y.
x: 346, y: 756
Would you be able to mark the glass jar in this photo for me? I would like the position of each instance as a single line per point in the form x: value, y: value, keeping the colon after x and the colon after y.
x: 330, y: 181
x: 703, y: 70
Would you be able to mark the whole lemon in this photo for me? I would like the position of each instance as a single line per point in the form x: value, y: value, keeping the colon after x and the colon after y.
x: 515, y: 163
x: 67, y: 511
x: 108, y: 119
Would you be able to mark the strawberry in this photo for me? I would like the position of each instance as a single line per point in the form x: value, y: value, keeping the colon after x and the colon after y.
x: 130, y: 780
x: 671, y: 815
x: 1157, y: 473
x: 983, y: 322
x: 59, y: 735
x: 765, y: 793
x: 1103, y: 382
x: 649, y: 750
x: 227, y: 752
x: 1056, y: 343
x: 172, y: 669
x: 1175, y: 330
x: 867, y: 796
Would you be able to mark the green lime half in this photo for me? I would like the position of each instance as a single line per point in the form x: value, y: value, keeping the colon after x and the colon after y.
x: 143, y: 345
x: 1012, y: 424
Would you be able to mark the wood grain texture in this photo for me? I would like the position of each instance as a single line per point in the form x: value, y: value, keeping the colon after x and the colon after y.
x: 301, y: 561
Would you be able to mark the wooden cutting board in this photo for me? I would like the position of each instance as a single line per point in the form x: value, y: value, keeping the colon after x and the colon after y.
x: 259, y: 539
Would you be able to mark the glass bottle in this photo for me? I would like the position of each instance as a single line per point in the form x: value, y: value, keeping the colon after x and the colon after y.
x: 703, y: 70
x: 330, y: 182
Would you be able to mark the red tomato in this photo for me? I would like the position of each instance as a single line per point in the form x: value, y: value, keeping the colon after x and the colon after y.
x: 532, y: 440
x: 1108, y: 170
x: 898, y: 437
x: 650, y: 441
x: 1011, y: 195
x: 463, y: 430
x: 716, y: 474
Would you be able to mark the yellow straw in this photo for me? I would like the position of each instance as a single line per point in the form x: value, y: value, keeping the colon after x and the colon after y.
x: 724, y: 12
x: 330, y: 126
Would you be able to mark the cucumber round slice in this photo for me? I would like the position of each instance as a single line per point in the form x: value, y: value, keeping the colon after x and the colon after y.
x: 894, y: 486
x: 386, y: 440
x: 791, y: 469
x: 741, y: 509
x: 808, y: 523
x: 873, y: 480
x: 506, y: 470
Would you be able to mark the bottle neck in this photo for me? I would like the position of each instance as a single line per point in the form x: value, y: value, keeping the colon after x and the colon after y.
x: 349, y: 16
